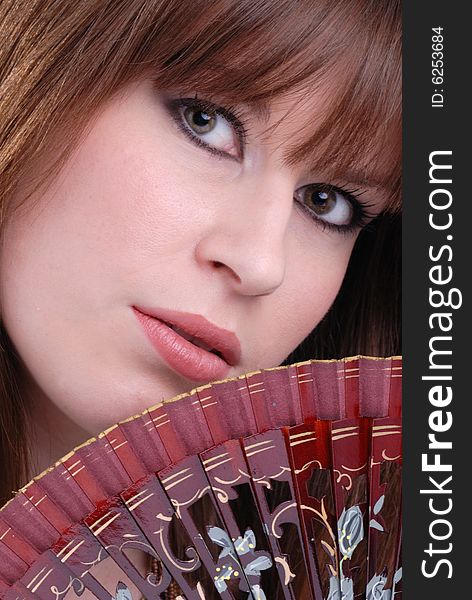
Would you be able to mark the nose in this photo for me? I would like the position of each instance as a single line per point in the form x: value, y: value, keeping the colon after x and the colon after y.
x: 248, y: 240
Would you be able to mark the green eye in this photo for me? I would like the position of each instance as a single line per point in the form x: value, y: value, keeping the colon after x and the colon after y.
x: 215, y: 128
x: 199, y: 121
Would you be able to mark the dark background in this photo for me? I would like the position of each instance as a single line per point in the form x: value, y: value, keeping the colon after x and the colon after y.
x: 427, y: 129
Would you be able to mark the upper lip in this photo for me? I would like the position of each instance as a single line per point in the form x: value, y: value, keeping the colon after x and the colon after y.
x: 224, y: 341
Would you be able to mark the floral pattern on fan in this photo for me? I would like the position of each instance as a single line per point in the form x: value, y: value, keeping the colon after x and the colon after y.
x: 350, y: 530
x: 122, y: 592
x: 376, y: 587
x: 377, y: 508
x: 241, y: 545
x: 350, y: 533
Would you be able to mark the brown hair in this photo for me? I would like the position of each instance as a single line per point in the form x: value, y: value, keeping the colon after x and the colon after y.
x: 61, y: 59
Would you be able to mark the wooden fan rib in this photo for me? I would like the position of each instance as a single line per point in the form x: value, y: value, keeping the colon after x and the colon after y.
x: 27, y: 521
x: 66, y: 493
x: 329, y: 393
x: 269, y: 467
x: 189, y: 424
x: 385, y: 499
x: 119, y: 443
x: 228, y: 410
x: 144, y: 440
x: 34, y: 583
x: 159, y: 419
x: 374, y: 387
x: 14, y: 555
x: 116, y: 532
x: 153, y: 512
x: 350, y: 375
x: 190, y: 493
x: 311, y: 468
x: 77, y: 552
x: 97, y: 470
x: 350, y: 470
x: 47, y: 507
x: 395, y: 395
x: 306, y: 391
x: 397, y: 591
x: 17, y: 592
x: 228, y: 475
x: 275, y: 398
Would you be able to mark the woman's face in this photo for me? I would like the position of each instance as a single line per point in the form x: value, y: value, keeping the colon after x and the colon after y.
x: 145, y: 215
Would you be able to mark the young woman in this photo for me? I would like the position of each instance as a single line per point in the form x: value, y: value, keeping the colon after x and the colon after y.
x: 228, y: 166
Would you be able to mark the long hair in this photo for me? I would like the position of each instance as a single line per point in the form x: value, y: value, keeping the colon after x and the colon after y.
x: 61, y: 60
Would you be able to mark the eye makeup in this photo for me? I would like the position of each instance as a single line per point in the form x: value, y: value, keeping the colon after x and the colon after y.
x: 359, y: 213
x: 233, y: 115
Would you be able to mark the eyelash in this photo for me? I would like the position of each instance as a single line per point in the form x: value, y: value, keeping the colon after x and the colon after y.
x: 237, y: 119
x: 232, y: 114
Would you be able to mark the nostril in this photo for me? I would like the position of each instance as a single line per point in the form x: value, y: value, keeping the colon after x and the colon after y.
x: 219, y: 265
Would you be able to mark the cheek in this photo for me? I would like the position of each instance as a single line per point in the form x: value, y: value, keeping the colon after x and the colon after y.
x: 322, y: 259
x: 320, y: 283
x: 110, y: 230
x: 315, y: 271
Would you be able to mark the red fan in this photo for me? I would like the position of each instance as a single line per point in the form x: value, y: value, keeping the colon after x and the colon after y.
x: 279, y: 484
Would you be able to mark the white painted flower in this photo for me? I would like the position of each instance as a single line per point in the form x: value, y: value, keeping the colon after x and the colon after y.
x: 122, y: 592
x: 350, y: 530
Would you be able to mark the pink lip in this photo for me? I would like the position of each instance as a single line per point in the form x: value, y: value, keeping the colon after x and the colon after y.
x: 184, y: 357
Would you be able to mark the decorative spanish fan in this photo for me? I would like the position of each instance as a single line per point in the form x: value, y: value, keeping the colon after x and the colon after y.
x: 279, y: 484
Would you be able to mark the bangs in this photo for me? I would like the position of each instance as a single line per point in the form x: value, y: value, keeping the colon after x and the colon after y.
x: 253, y: 51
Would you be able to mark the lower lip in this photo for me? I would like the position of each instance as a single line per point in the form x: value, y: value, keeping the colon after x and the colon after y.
x: 182, y: 356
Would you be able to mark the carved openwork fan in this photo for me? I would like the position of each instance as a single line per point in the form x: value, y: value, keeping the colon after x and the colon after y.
x: 283, y: 483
